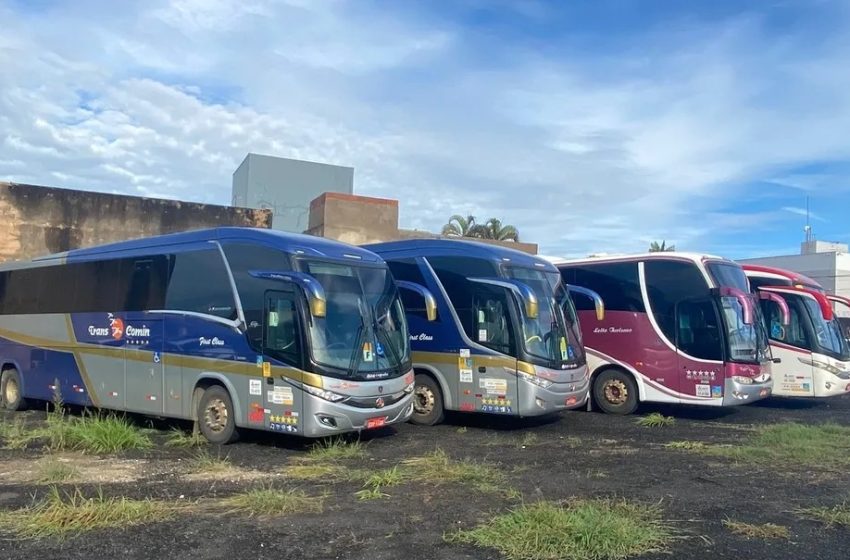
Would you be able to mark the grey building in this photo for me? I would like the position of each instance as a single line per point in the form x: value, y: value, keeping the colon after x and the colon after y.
x: 286, y: 187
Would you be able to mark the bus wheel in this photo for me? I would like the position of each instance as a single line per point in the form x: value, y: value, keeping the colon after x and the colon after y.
x: 10, y: 390
x: 427, y: 402
x: 216, y: 418
x: 615, y: 392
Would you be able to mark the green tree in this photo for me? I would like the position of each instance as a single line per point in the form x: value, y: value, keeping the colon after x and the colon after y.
x: 459, y: 226
x: 493, y: 229
x: 656, y: 247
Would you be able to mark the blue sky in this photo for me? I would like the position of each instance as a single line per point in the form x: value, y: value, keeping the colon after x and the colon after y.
x: 592, y: 126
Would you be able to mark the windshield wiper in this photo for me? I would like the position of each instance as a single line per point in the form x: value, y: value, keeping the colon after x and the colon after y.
x: 357, y: 355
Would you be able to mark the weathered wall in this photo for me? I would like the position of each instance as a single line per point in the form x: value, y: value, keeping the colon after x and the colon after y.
x: 362, y: 219
x: 36, y: 220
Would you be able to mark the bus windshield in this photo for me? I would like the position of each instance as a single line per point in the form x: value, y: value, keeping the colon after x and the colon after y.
x: 828, y: 333
x: 547, y: 336
x: 747, y: 343
x: 364, y: 329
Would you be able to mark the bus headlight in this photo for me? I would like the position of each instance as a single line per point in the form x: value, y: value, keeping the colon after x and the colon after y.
x: 742, y: 380
x: 828, y: 367
x: 539, y: 381
x: 323, y: 394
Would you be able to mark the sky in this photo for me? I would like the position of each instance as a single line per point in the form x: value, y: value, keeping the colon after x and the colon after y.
x: 592, y: 126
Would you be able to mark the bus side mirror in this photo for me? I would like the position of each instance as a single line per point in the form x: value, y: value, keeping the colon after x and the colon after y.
x: 425, y: 294
x: 744, y: 299
x: 598, y: 304
x: 780, y: 301
x: 777, y: 360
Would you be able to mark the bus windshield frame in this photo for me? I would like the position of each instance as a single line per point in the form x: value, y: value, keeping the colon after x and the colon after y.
x: 549, y: 339
x: 745, y: 343
x: 364, y: 333
x: 828, y: 338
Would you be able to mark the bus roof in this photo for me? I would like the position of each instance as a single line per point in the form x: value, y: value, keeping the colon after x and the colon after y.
x: 661, y: 255
x: 293, y: 243
x: 781, y: 273
x: 450, y: 247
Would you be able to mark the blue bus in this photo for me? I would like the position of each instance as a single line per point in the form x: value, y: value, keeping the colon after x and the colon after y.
x: 488, y: 329
x: 230, y: 327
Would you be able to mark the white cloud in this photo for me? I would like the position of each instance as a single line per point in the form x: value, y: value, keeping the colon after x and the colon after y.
x: 583, y: 152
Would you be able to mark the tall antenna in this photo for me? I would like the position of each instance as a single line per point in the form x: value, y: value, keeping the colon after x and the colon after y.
x: 808, y: 228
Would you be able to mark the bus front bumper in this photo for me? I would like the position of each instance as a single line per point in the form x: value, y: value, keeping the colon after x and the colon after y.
x: 742, y: 393
x: 327, y: 418
x: 537, y: 401
x: 829, y: 385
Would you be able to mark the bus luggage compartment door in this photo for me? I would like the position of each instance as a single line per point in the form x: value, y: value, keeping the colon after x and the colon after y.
x: 143, y: 369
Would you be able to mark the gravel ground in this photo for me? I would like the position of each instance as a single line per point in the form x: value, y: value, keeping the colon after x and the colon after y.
x: 578, y: 454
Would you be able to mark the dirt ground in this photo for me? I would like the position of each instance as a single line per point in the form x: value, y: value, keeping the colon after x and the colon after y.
x: 578, y: 454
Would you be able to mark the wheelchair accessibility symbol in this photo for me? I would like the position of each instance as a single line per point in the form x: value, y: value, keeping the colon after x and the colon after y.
x: 156, y: 358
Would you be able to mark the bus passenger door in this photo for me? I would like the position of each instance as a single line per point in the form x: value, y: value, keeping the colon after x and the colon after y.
x: 699, y: 338
x: 282, y: 342
x: 494, y: 389
x: 143, y: 370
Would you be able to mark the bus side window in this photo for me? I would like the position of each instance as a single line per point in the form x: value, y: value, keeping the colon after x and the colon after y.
x: 281, y: 329
x: 491, y: 322
x: 698, y: 329
x: 198, y: 282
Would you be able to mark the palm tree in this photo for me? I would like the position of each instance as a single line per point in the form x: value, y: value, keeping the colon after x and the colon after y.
x: 458, y: 226
x: 493, y: 229
x: 662, y: 247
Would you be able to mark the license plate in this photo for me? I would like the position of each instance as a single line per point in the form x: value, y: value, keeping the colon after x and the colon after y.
x: 373, y: 423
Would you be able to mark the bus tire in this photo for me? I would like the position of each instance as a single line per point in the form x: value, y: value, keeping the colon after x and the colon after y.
x: 615, y: 392
x: 11, y: 393
x: 427, y: 401
x: 216, y: 416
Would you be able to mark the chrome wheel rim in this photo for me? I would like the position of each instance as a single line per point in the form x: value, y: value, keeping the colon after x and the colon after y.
x: 216, y: 415
x: 11, y: 391
x: 615, y: 392
x: 423, y: 400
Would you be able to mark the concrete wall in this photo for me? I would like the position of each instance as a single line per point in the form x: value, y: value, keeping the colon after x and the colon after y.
x: 36, y: 221
x: 361, y: 219
x: 287, y: 187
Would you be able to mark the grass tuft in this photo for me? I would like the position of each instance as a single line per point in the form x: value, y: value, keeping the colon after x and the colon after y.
x: 179, y: 438
x: 51, y: 470
x: 98, y: 434
x: 836, y: 515
x: 687, y: 445
x: 62, y: 516
x: 268, y: 502
x: 655, y: 420
x: 578, y: 530
x: 386, y: 477
x: 338, y: 448
x: 438, y: 468
x: 822, y: 446
x: 752, y: 531
x: 204, y: 462
x: 16, y: 435
x: 373, y: 493
x: 530, y: 439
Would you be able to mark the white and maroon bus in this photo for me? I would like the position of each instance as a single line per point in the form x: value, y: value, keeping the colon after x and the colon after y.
x: 815, y: 355
x: 678, y: 328
x: 783, y: 277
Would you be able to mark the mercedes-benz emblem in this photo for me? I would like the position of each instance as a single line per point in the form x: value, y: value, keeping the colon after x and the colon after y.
x: 379, y: 402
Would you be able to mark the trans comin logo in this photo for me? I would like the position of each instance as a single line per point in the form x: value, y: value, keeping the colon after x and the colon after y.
x: 118, y: 330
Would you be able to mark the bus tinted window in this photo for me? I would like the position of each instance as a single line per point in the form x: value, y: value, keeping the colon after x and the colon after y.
x: 728, y: 274
x: 408, y: 270
x: 243, y: 258
x: 199, y: 283
x: 794, y: 333
x: 617, y: 283
x: 669, y: 282
x: 453, y: 273
x: 699, y: 334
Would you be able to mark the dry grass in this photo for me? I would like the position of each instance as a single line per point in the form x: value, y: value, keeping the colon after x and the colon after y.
x: 829, y: 516
x: 752, y: 531
x: 268, y: 502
